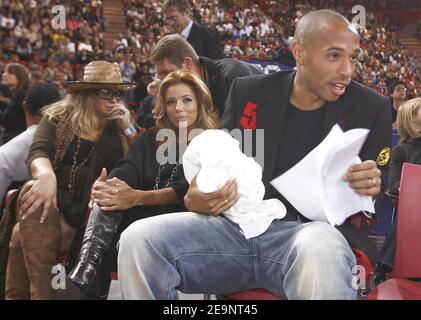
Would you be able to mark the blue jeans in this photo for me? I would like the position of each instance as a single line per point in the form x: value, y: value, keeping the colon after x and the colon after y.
x: 196, y: 253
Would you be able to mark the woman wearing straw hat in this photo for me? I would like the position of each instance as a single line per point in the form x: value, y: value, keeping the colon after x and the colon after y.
x: 78, y: 136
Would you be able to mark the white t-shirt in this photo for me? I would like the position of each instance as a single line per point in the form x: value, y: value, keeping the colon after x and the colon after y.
x: 13, y: 157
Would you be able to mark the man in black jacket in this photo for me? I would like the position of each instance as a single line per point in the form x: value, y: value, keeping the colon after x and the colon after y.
x: 205, y: 41
x: 173, y: 52
x: 202, y: 251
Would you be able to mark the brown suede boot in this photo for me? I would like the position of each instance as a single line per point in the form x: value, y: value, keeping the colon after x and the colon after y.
x: 17, y: 281
x: 41, y: 244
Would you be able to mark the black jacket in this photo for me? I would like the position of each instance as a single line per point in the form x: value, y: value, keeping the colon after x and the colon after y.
x: 205, y: 42
x: 220, y: 76
x: 404, y: 152
x: 359, y: 107
x: 13, y: 117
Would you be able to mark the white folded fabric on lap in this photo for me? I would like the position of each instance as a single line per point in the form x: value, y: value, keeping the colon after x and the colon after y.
x: 215, y: 157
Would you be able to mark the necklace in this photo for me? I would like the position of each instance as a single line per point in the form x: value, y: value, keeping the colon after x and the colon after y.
x: 158, y: 176
x: 75, y: 167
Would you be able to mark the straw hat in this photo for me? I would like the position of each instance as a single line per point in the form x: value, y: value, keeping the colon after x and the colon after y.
x: 100, y: 74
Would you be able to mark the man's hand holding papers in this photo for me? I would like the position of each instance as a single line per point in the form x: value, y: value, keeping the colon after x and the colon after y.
x: 336, y: 184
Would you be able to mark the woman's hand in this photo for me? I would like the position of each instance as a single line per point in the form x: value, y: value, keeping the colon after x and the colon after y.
x: 121, y: 114
x: 42, y: 194
x: 115, y: 194
x: 98, y: 185
x: 152, y: 88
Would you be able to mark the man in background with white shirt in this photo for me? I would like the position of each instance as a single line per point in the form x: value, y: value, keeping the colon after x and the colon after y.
x: 205, y: 41
x: 13, y: 154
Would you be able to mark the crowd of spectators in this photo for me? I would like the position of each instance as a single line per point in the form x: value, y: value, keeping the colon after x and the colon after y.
x: 263, y: 31
x: 27, y: 36
x: 253, y: 30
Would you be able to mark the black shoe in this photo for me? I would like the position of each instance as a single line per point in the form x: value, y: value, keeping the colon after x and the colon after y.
x: 98, y: 236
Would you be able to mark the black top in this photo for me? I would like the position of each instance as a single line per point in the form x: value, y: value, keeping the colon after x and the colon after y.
x: 144, y: 115
x: 84, y: 150
x: 139, y: 170
x: 394, y: 113
x: 13, y: 117
x: 302, y: 133
x: 404, y: 152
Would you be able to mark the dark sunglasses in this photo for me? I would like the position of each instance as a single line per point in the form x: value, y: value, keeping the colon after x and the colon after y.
x: 108, y: 94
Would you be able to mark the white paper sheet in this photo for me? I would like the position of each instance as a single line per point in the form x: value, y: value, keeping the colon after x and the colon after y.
x: 314, y: 186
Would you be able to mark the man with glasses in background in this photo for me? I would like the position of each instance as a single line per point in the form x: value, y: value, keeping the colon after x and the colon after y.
x: 205, y: 41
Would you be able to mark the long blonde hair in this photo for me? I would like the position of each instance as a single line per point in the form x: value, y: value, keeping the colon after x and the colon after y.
x: 207, y: 116
x: 407, y: 129
x: 81, y: 106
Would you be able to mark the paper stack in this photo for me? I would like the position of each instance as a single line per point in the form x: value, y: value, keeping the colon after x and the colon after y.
x: 314, y: 186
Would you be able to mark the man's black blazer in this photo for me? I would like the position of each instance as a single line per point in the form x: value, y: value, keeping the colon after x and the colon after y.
x: 358, y: 107
x: 205, y: 42
x: 220, y: 76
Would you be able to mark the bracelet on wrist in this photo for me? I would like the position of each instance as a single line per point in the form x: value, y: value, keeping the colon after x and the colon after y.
x: 129, y: 131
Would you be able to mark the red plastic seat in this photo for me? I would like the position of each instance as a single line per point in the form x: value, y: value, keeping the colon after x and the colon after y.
x: 9, y: 197
x: 253, y: 294
x: 408, y: 244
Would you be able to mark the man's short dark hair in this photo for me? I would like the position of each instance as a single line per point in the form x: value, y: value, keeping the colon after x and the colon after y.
x: 181, y: 5
x: 174, y: 48
x: 40, y: 95
x: 393, y: 85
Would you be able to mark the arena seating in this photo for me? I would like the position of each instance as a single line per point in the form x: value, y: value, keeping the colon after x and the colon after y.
x: 407, y: 259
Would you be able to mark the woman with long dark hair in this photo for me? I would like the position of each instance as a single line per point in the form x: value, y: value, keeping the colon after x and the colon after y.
x: 16, y: 79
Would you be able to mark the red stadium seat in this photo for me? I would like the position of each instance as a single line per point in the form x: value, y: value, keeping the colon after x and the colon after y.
x: 9, y: 197
x: 253, y: 294
x: 408, y: 246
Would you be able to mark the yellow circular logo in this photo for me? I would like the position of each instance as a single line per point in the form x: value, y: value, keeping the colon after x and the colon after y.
x: 383, y: 157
